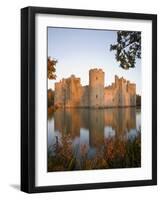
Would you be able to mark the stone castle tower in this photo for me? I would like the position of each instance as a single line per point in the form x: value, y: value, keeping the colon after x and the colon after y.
x: 96, y: 88
x: 70, y: 93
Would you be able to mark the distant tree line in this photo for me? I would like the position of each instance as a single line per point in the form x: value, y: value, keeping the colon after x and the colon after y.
x: 50, y: 98
x: 138, y: 100
x: 50, y: 101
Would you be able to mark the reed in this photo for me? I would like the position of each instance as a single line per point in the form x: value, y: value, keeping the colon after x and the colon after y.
x: 115, y: 153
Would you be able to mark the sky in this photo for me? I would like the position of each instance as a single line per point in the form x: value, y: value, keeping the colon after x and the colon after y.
x: 79, y: 50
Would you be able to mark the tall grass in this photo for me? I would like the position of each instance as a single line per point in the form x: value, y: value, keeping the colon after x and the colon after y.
x: 115, y: 153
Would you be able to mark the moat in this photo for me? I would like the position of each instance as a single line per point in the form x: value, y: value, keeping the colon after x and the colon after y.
x: 83, y: 139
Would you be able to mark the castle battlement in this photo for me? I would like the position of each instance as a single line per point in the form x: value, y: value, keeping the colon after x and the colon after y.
x: 70, y: 93
x: 96, y: 69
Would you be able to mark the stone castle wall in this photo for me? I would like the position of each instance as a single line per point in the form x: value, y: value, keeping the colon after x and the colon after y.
x: 70, y: 93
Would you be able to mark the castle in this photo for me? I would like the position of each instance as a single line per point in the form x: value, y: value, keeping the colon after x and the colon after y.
x: 70, y: 93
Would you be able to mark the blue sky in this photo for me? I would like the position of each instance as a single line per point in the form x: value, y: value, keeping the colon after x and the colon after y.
x: 78, y: 50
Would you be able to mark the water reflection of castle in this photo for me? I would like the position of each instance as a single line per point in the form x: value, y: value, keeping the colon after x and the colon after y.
x: 71, y: 121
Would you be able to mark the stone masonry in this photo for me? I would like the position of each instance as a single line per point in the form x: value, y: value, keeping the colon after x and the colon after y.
x: 70, y: 93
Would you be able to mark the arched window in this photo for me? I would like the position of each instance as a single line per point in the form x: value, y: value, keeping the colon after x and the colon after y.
x: 96, y: 96
x: 96, y: 77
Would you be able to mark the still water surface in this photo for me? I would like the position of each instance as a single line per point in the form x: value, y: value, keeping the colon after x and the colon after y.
x: 94, y: 136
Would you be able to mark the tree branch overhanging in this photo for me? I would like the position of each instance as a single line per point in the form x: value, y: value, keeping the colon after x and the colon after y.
x: 128, y: 48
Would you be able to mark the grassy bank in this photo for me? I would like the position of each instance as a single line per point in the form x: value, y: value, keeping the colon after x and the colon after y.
x: 115, y: 153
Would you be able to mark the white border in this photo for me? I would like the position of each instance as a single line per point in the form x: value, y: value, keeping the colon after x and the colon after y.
x: 91, y: 176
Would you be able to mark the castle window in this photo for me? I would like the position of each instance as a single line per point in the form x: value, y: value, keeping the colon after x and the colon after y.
x: 96, y: 96
x: 96, y: 77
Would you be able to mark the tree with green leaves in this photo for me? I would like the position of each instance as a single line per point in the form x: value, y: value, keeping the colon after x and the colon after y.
x: 128, y: 48
x: 51, y: 68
